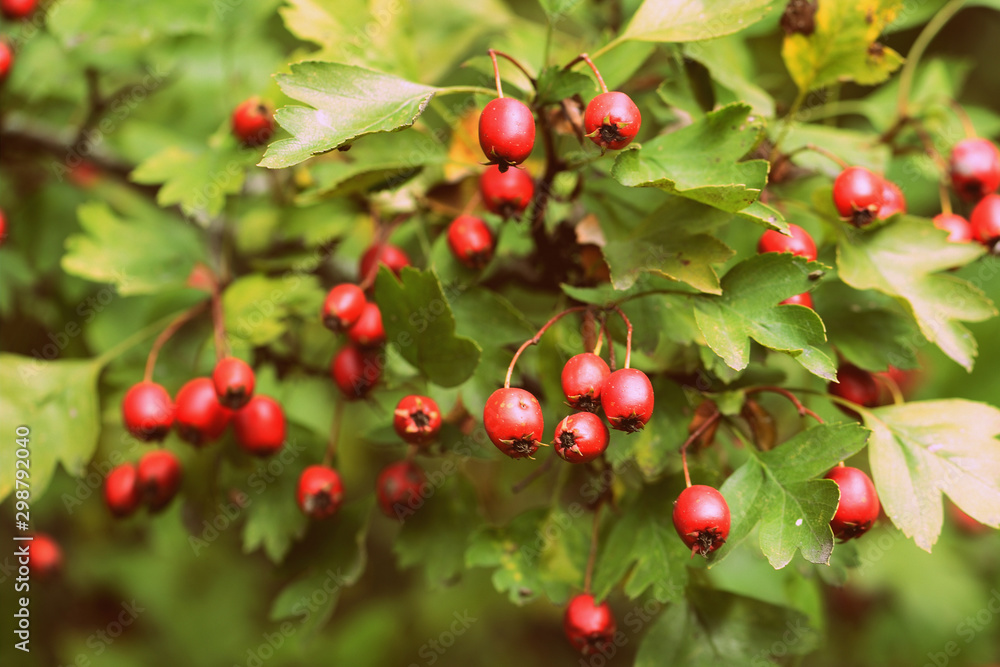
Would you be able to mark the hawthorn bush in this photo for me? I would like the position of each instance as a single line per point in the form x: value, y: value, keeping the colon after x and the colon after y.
x: 626, y: 332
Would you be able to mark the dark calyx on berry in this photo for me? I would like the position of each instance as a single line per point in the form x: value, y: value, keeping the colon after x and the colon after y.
x: 706, y: 541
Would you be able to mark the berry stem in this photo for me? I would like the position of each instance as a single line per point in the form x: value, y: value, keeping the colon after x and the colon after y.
x: 592, y: 556
x: 963, y: 117
x: 694, y: 435
x: 537, y: 337
x: 802, y: 409
x: 611, y: 346
x: 628, y: 335
x: 218, y: 323
x: 893, y: 387
x: 917, y: 50
x: 585, y: 58
x: 494, y: 53
x: 841, y: 162
x: 928, y: 143
x: 167, y: 333
x: 331, y: 445
x: 945, y: 197
x: 496, y: 72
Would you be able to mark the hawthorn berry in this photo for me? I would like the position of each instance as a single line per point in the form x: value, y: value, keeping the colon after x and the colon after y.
x: 6, y: 59
x: 3, y: 228
x: 985, y: 220
x: 966, y: 523
x: 701, y: 518
x: 506, y: 132
x: 513, y: 421
x: 355, y: 371
x: 368, y: 331
x: 200, y: 417
x: 627, y: 399
x: 260, y: 426
x: 799, y: 243
x: 392, y: 256
x: 582, y: 378
x: 400, y: 489
x: 857, y: 194
x: 893, y: 201
x: 612, y: 120
x: 320, y: 492
x: 44, y: 556
x: 417, y: 419
x: 147, y: 411
x: 590, y: 627
x: 974, y: 168
x: 581, y: 437
x: 855, y: 385
x: 804, y: 299
x: 506, y: 193
x: 18, y: 9
x: 121, y: 490
x: 858, y: 507
x: 471, y: 241
x: 958, y: 228
x: 253, y: 123
x: 234, y: 381
x: 343, y: 306
x: 159, y: 478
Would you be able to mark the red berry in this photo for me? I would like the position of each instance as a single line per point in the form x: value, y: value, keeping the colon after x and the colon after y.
x: 612, y: 120
x: 471, y: 241
x: 260, y: 426
x: 975, y: 168
x: 581, y: 437
x: 506, y: 132
x: 320, y: 492
x: 893, y: 201
x: 343, y: 306
x: 44, y: 556
x: 367, y: 331
x: 159, y: 478
x: 252, y: 122
x: 966, y: 523
x: 799, y: 243
x: 6, y: 59
x: 233, y: 380
x: 582, y: 378
x: 985, y: 220
x: 513, y: 421
x: 355, y: 371
x: 858, y: 507
x: 400, y: 489
x: 804, y: 299
x: 393, y: 257
x: 855, y: 385
x: 958, y: 228
x: 147, y: 411
x: 201, y: 419
x: 627, y: 399
x: 701, y: 518
x: 506, y: 193
x: 18, y: 9
x: 857, y: 194
x: 121, y: 490
x: 590, y: 627
x: 417, y: 419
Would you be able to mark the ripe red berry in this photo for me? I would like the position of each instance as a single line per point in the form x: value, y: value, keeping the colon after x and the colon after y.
x: 581, y: 437
x: 400, y: 489
x: 893, y: 201
x: 966, y: 523
x: 44, y: 556
x: 582, y: 378
x: 18, y: 9
x: 417, y: 419
x: 252, y: 122
x: 260, y: 426
x: 701, y: 518
x: 506, y: 132
x: 612, y: 120
x: 627, y: 399
x: 6, y: 59
x: 858, y: 507
x: 471, y: 241
x: 855, y: 385
x: 985, y: 220
x: 799, y: 243
x: 393, y: 257
x: 367, y: 331
x: 320, y: 492
x: 506, y: 193
x: 355, y: 371
x: 343, y: 306
x: 958, y: 228
x: 804, y: 299
x: 121, y: 490
x: 234, y: 381
x: 513, y: 421
x: 147, y: 411
x: 590, y: 627
x: 159, y: 478
x: 200, y: 418
x: 975, y: 168
x: 857, y: 194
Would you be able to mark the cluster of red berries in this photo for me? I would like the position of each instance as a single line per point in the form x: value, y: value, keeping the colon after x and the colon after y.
x: 798, y: 242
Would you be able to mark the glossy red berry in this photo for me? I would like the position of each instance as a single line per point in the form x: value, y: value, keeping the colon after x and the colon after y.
x: 804, y: 299
x: 6, y: 59
x: 392, y: 256
x: 200, y: 418
x: 320, y: 492
x: 985, y: 220
x: 581, y: 437
x: 471, y: 241
x: 857, y: 194
x: 858, y: 507
x: 355, y: 371
x: 701, y: 518
x: 855, y: 385
x: 260, y: 426
x: 893, y: 201
x: 582, y: 379
x: 506, y: 132
x: 367, y: 331
x: 799, y: 243
x: 343, y: 306
x: 958, y: 228
x: 18, y: 9
x: 417, y: 419
x: 159, y: 478
x: 399, y: 489
x: 147, y: 411
x: 252, y: 122
x: 513, y: 421
x: 612, y: 120
x: 44, y: 556
x: 627, y: 399
x: 234, y: 381
x: 506, y: 193
x: 590, y: 627
x: 975, y: 168
x: 121, y: 490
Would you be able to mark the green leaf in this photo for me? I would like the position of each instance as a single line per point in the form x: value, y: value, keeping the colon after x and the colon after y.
x: 867, y: 335
x: 556, y: 9
x: 857, y: 148
x: 349, y: 102
x: 106, y: 251
x: 901, y: 260
x: 555, y: 84
x: 748, y: 309
x: 257, y: 308
x: 729, y: 61
x: 681, y: 21
x: 418, y: 320
x: 923, y: 449
x: 273, y: 518
x: 676, y: 163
